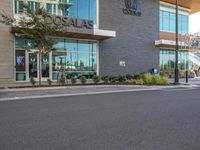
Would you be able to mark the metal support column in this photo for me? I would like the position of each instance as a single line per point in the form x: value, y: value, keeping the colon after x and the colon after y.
x: 177, y: 46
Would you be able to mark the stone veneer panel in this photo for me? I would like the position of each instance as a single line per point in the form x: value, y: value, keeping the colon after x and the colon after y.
x: 7, y: 73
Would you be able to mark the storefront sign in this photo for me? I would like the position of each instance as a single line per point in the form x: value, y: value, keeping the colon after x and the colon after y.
x: 133, y: 7
x: 69, y: 22
x: 20, y: 60
x: 122, y: 63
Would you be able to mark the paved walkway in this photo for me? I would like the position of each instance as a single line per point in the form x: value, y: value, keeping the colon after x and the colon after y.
x: 192, y: 81
x: 26, y: 93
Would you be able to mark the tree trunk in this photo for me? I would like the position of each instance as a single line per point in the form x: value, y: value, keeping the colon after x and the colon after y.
x: 40, y: 75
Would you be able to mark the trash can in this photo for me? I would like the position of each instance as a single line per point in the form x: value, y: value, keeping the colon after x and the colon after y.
x: 154, y: 71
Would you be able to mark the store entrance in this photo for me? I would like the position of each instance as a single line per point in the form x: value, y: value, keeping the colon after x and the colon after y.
x: 33, y: 69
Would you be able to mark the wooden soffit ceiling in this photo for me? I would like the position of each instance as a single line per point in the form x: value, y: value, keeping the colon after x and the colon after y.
x: 193, y: 5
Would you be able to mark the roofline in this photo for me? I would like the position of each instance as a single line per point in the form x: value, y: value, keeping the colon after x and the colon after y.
x: 192, y: 5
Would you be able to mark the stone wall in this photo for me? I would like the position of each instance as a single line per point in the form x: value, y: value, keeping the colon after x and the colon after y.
x: 6, y: 46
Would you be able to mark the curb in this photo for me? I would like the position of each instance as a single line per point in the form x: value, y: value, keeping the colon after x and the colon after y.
x: 136, y: 89
x: 78, y: 87
x: 76, y: 94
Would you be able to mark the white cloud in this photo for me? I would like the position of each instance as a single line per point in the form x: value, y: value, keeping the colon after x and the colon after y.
x: 194, y: 25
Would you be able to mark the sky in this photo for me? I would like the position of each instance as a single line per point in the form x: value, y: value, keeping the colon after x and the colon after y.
x: 194, y: 25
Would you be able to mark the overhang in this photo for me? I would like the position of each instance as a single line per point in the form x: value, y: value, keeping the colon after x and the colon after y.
x: 193, y: 5
x: 97, y: 34
x: 169, y: 44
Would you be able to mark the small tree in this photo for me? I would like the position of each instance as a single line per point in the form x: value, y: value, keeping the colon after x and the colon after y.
x: 34, y: 29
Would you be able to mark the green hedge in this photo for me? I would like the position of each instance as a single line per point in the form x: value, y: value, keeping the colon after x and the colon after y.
x: 83, y: 79
x: 149, y: 79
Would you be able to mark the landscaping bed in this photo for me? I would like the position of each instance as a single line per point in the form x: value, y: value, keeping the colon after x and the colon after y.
x: 142, y: 79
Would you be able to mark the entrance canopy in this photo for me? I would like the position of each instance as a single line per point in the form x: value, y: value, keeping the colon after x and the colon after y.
x: 96, y: 34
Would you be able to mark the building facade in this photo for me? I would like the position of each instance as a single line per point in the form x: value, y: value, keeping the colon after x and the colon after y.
x: 125, y: 38
x: 167, y: 32
x: 188, y: 58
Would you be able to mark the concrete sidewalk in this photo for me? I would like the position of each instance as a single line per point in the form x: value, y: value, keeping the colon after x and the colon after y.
x: 27, y: 93
x: 191, y: 81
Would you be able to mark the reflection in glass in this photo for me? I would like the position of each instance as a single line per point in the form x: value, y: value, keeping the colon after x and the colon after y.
x: 82, y: 9
x: 168, y: 22
x: 167, y: 60
x: 75, y: 57
x: 33, y: 65
x: 45, y: 66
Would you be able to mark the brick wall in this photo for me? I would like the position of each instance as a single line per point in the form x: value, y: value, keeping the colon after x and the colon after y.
x: 135, y: 39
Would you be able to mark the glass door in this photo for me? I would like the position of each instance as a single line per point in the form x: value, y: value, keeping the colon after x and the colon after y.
x: 34, y: 66
x: 45, y: 66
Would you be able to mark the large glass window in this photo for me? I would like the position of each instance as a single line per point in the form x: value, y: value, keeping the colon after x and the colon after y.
x: 34, y: 6
x: 82, y: 9
x: 20, y: 59
x: 18, y: 6
x: 77, y: 58
x: 168, y: 22
x: 167, y: 60
x: 51, y: 8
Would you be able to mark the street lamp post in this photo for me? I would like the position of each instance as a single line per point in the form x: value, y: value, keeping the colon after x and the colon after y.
x: 177, y: 47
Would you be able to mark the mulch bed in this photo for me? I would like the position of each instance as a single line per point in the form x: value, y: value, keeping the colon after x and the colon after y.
x: 74, y: 85
x: 66, y: 85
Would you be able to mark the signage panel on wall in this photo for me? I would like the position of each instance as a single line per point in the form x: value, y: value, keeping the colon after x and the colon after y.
x: 20, y: 60
x: 69, y: 22
x: 133, y: 7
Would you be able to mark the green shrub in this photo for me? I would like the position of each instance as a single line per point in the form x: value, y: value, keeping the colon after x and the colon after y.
x: 132, y: 81
x: 137, y: 76
x: 105, y: 79
x: 73, y: 80
x: 96, y: 79
x: 121, y: 78
x: 129, y: 77
x: 49, y: 81
x: 136, y: 81
x: 158, y: 80
x: 32, y: 80
x: 165, y: 81
x: 148, y: 79
x: 83, y: 79
x: 113, y: 79
x: 62, y: 80
x: 139, y: 82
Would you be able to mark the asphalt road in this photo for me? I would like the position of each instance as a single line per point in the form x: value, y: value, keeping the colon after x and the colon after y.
x: 153, y: 120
